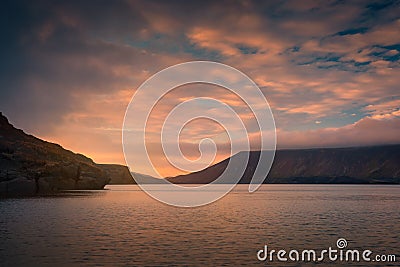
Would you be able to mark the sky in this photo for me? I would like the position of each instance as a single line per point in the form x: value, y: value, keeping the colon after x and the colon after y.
x: 329, y: 69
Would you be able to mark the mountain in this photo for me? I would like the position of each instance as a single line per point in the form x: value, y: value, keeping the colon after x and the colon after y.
x: 147, y: 179
x: 356, y: 165
x: 29, y: 165
x: 119, y: 174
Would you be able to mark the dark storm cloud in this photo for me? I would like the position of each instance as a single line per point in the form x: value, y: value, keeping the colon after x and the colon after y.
x: 54, y: 50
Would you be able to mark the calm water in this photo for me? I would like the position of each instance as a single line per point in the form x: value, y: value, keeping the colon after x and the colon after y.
x: 123, y: 226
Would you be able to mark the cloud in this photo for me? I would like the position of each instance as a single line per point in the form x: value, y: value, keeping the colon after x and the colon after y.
x: 68, y: 69
x: 367, y: 131
x: 384, y: 110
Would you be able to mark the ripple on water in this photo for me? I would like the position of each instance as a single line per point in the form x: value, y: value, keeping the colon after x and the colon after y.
x: 126, y: 227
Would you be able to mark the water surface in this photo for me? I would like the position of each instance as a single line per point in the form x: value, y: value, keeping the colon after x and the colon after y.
x: 122, y: 226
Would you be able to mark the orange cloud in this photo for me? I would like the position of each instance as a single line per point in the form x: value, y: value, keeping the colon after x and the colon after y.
x: 71, y: 73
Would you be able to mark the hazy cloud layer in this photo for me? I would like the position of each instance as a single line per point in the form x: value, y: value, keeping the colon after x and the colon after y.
x: 329, y: 69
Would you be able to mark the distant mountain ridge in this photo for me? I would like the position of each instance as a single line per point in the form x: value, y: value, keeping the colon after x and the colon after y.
x: 354, y: 165
x: 29, y: 165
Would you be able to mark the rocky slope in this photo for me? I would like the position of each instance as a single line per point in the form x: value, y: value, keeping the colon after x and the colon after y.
x: 379, y: 164
x: 119, y: 174
x: 29, y: 165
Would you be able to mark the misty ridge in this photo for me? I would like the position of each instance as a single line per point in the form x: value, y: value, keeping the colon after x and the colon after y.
x: 353, y: 165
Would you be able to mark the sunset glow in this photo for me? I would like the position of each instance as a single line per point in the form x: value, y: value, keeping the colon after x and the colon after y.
x: 329, y: 70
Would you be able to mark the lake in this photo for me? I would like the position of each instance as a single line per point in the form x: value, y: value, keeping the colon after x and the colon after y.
x: 123, y: 226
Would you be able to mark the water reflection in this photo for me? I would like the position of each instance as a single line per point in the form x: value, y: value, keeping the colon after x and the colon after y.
x: 124, y: 226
